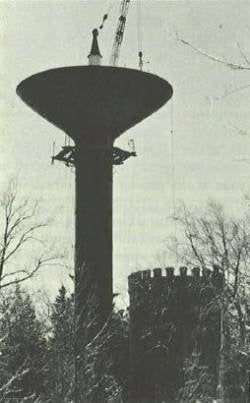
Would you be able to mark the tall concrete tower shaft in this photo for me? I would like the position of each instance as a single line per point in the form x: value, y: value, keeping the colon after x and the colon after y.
x: 93, y: 105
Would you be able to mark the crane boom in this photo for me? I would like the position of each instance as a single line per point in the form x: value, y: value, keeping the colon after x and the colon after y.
x: 119, y: 32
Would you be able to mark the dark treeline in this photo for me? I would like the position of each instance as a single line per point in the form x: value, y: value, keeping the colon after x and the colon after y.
x: 37, y: 353
x: 37, y: 356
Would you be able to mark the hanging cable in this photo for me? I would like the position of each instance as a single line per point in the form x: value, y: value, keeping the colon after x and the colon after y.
x: 110, y: 5
x: 172, y: 156
x: 139, y: 34
x: 105, y: 16
x: 139, y: 25
x: 173, y: 178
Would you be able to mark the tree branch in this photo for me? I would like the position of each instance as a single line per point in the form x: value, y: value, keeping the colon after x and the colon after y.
x: 40, y: 263
x: 233, y: 66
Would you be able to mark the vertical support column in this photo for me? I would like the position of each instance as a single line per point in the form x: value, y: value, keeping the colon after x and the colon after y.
x: 93, y: 247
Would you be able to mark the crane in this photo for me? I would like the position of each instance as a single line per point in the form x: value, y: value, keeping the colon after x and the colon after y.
x: 119, y: 32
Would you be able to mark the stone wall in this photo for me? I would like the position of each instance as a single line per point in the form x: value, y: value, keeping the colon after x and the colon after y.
x: 171, y: 316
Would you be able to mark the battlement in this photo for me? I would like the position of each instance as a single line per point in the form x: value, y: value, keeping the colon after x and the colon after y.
x: 170, y: 275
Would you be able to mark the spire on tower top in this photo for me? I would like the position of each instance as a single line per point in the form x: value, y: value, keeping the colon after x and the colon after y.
x: 95, y: 54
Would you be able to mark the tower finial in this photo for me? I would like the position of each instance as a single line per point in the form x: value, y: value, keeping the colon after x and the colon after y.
x: 95, y: 54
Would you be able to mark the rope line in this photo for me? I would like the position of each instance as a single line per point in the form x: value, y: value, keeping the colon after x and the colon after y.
x: 173, y: 178
x: 109, y: 6
x: 139, y: 33
x: 139, y: 25
x: 105, y: 17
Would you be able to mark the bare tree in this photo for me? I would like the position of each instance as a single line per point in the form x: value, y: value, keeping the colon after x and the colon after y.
x: 18, y: 229
x: 212, y: 239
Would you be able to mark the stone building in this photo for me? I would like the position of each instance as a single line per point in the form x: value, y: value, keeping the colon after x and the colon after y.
x: 171, y: 317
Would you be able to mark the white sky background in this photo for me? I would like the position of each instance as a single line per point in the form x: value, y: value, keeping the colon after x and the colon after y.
x: 39, y: 35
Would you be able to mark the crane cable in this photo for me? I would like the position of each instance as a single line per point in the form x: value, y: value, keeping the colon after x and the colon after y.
x: 69, y: 216
x: 105, y: 16
x: 173, y: 185
x: 139, y: 33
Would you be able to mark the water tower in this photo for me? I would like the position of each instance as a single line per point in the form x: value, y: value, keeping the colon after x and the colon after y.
x: 94, y: 105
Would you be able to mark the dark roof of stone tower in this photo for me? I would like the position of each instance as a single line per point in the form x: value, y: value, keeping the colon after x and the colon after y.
x: 95, y: 51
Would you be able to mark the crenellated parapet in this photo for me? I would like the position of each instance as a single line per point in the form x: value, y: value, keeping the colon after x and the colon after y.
x: 170, y: 273
x: 170, y: 278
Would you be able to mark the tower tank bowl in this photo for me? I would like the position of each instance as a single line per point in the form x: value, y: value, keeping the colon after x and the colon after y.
x: 96, y: 100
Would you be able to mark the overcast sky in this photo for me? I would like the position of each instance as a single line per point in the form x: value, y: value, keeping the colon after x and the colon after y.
x: 211, y: 130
